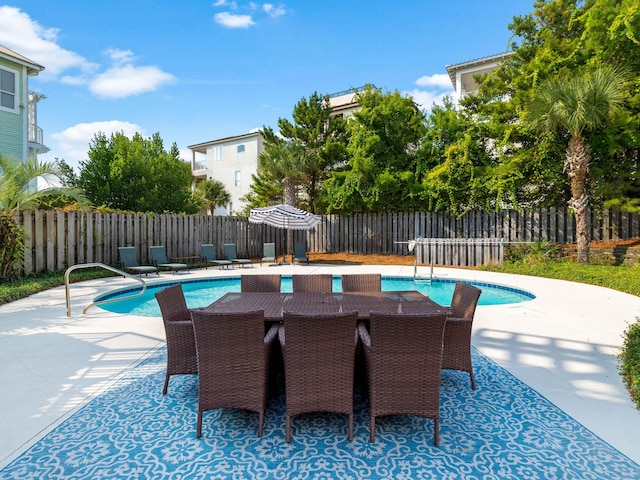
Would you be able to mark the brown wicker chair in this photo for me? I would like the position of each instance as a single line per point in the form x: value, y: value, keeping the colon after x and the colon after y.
x: 181, y: 346
x: 319, y: 354
x: 362, y: 282
x: 457, y: 333
x: 260, y: 283
x: 312, y: 283
x: 403, y: 354
x: 233, y: 361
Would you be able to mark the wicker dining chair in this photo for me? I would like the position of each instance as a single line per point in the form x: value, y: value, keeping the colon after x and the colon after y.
x: 457, y: 333
x: 362, y: 282
x: 260, y: 283
x: 181, y: 346
x: 403, y: 354
x: 319, y: 355
x: 312, y: 283
x: 233, y: 362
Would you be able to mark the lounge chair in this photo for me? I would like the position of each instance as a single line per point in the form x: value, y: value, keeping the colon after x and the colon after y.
x: 300, y: 253
x: 159, y: 256
x: 209, y: 256
x: 129, y: 261
x: 232, y: 256
x: 268, y: 253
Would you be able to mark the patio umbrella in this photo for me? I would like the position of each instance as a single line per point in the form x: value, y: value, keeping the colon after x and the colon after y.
x: 284, y: 216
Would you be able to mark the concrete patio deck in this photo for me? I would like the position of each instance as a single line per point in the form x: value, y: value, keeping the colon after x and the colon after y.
x: 563, y: 344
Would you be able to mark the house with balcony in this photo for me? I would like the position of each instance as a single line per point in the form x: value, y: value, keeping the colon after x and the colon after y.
x: 230, y: 160
x: 463, y: 75
x: 20, y: 135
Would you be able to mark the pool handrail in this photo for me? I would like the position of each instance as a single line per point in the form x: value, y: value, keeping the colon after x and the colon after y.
x: 101, y: 302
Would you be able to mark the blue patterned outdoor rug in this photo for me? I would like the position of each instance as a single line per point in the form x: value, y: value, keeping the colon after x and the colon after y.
x: 503, y: 430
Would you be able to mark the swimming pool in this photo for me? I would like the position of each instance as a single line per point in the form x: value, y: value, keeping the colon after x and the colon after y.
x: 201, y: 292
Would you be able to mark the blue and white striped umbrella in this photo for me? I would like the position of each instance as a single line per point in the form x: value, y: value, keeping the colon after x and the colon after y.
x: 284, y: 216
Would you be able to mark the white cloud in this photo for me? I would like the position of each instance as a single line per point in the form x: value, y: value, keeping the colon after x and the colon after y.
x: 425, y: 98
x: 127, y: 80
x: 439, y: 80
x: 73, y: 143
x: 122, y: 79
x: 437, y: 87
x: 231, y: 20
x: 272, y: 10
x: 27, y: 37
x: 120, y: 57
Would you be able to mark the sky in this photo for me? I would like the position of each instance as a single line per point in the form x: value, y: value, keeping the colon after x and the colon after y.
x: 195, y: 71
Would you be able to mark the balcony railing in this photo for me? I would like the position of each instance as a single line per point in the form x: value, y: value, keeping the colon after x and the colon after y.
x: 35, y: 134
x: 200, y: 165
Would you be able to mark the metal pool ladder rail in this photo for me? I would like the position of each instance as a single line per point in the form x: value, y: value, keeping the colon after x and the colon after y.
x: 102, y: 302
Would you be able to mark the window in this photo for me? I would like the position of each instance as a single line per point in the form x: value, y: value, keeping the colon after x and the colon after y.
x: 240, y: 148
x: 237, y: 177
x: 8, y: 90
x: 216, y: 153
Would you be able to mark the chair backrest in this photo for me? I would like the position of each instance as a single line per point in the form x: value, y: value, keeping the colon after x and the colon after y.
x: 231, y: 359
x: 464, y: 301
x: 208, y: 252
x: 362, y: 282
x: 269, y: 250
x: 158, y: 254
x: 128, y: 257
x: 319, y: 355
x: 230, y: 251
x: 260, y: 283
x: 300, y: 250
x: 313, y: 283
x: 173, y: 305
x: 405, y: 360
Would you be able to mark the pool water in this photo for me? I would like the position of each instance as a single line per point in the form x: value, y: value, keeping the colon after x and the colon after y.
x: 200, y: 293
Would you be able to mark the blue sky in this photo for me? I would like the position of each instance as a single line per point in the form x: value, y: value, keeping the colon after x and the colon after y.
x: 196, y: 71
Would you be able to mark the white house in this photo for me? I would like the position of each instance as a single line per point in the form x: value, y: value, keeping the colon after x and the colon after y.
x: 230, y: 160
x: 20, y: 135
x: 463, y: 74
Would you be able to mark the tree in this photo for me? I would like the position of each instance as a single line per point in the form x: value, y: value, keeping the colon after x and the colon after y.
x: 213, y: 194
x: 137, y: 174
x: 320, y: 139
x: 383, y: 147
x: 564, y: 37
x: 23, y: 185
x: 576, y: 105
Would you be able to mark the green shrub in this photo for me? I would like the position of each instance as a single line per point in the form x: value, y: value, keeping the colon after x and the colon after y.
x: 530, y: 253
x: 629, y: 358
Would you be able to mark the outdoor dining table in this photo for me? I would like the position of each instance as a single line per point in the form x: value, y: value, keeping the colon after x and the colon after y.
x: 275, y: 304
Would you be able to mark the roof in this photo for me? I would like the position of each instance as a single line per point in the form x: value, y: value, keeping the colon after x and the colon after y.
x: 32, y: 67
x: 223, y: 140
x: 489, y: 59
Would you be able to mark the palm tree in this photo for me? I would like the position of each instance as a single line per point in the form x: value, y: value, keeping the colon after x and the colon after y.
x: 285, y: 162
x: 213, y: 194
x: 23, y: 185
x: 576, y: 105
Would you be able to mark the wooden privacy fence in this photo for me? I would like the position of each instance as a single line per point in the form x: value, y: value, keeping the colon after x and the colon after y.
x: 57, y: 239
x: 467, y: 252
